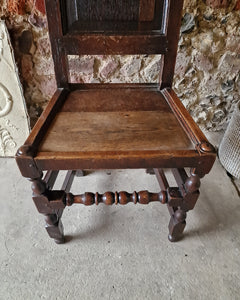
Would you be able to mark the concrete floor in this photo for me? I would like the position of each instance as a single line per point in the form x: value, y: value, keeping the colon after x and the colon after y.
x: 120, y: 252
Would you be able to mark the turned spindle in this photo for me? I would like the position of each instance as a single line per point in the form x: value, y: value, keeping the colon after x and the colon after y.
x: 109, y: 198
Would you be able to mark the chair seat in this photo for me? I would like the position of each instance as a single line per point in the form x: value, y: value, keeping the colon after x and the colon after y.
x: 114, y: 120
x: 104, y: 126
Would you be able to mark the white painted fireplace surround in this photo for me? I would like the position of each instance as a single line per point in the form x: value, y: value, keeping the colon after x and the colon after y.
x: 14, y: 121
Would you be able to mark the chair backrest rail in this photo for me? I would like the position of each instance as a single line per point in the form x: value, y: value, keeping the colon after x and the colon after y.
x: 114, y: 44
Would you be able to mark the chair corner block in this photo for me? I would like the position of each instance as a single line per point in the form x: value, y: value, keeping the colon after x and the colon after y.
x: 26, y: 163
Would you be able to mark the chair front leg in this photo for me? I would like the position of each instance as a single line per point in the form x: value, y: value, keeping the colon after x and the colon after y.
x: 51, y: 204
x: 54, y: 227
x: 189, y: 190
x: 177, y: 223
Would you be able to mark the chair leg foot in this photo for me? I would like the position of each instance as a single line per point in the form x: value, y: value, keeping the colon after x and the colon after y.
x: 189, y: 193
x: 54, y: 228
x: 176, y: 225
x: 171, y: 238
x: 61, y: 241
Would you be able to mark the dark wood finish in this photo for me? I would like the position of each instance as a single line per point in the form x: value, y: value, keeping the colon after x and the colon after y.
x: 55, y: 28
x: 72, y: 11
x: 42, y: 198
x: 119, y: 100
x: 116, y: 98
x: 180, y: 199
x: 115, y: 15
x: 68, y: 181
x: 194, y: 132
x: 46, y: 118
x: 150, y: 171
x: 50, y: 178
x: 96, y: 44
x: 114, y: 10
x: 188, y: 191
x: 26, y: 162
x: 108, y: 131
x: 109, y: 198
x: 161, y: 178
x: 107, y: 126
x: 176, y: 225
x: 180, y: 176
x: 119, y: 160
x: 146, y: 10
x: 54, y: 228
x: 88, y: 42
x: 171, y: 29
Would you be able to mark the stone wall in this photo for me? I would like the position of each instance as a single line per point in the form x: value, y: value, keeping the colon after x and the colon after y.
x: 207, y: 69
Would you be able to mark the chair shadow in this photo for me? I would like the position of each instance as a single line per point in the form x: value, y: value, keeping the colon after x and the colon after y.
x: 214, y: 222
x: 213, y: 217
x: 100, y: 225
x: 104, y: 221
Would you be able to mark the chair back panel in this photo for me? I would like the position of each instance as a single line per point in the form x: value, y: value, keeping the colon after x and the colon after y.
x: 92, y: 27
x: 112, y: 15
x: 104, y: 10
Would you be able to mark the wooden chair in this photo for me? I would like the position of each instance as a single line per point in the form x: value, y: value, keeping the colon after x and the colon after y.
x: 115, y: 126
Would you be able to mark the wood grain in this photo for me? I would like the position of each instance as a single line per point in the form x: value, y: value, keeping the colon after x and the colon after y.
x: 114, y: 98
x: 56, y: 27
x: 114, y: 131
x: 115, y: 120
x: 146, y: 10
x: 193, y: 131
x: 122, y: 160
x: 46, y: 117
x: 95, y: 44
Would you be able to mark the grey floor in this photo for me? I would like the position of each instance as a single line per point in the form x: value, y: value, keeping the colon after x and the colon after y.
x: 120, y: 252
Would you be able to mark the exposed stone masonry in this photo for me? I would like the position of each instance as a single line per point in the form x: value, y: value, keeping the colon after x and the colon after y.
x: 207, y: 69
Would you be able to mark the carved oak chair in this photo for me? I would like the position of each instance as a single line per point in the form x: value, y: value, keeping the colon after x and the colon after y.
x: 115, y: 126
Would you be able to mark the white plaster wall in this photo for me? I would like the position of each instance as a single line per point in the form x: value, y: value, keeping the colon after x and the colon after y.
x: 14, y: 124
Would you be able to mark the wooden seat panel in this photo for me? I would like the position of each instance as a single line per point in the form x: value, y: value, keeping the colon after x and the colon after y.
x: 115, y: 120
x: 115, y: 98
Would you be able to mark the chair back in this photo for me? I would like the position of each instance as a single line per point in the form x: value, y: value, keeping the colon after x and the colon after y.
x: 114, y: 27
